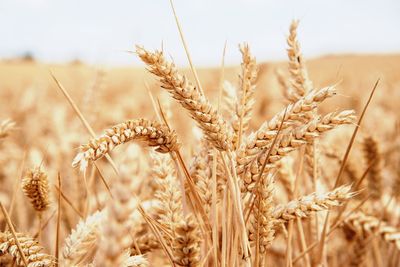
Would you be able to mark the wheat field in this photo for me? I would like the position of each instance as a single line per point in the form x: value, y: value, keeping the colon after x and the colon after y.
x: 290, y: 163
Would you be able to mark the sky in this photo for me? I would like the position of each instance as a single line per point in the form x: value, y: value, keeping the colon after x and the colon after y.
x: 101, y: 32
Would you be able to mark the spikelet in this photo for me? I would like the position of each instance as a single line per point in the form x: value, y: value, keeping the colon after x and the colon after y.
x: 200, y: 109
x: 6, y: 128
x: 186, y: 246
x: 305, y: 206
x: 154, y: 133
x: 82, y: 242
x: 30, y: 247
x: 35, y: 187
x: 373, y: 156
x: 245, y: 103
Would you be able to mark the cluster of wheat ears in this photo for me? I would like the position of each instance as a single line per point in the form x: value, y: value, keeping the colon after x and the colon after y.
x: 244, y: 198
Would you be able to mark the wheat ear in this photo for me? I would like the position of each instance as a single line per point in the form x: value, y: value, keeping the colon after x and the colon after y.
x: 154, y: 133
x: 373, y: 158
x: 186, y: 246
x: 30, y: 247
x: 170, y: 198
x: 247, y: 85
x: 305, y: 206
x: 264, y: 136
x: 299, y: 80
x: 82, y: 242
x: 289, y: 142
x: 200, y: 109
x: 261, y: 219
x: 363, y: 224
x: 117, y: 226
x: 35, y: 186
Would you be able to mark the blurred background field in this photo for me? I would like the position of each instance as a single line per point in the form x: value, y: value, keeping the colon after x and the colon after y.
x: 48, y: 132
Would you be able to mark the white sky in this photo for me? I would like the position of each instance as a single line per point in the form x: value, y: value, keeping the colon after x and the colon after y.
x: 100, y: 32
